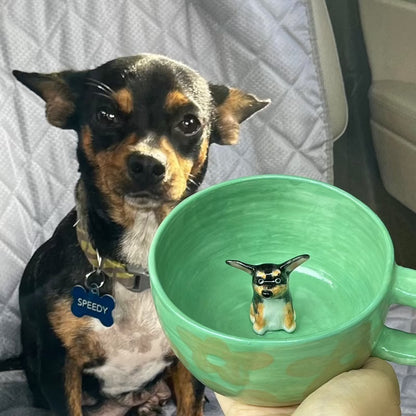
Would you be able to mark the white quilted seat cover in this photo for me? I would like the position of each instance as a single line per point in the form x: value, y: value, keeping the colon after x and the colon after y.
x: 266, y: 48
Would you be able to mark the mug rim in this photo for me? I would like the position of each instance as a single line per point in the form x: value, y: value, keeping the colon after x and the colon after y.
x: 156, y: 285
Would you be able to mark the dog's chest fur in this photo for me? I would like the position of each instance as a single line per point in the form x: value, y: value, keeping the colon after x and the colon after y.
x: 136, y: 242
x: 274, y: 313
x: 135, y: 345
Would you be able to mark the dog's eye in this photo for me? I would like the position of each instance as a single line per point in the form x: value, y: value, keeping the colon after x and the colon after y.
x: 260, y: 281
x: 106, y: 117
x: 189, y: 125
x: 278, y: 280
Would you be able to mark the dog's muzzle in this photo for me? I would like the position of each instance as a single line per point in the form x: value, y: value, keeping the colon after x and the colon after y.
x: 267, y: 293
x: 145, y: 171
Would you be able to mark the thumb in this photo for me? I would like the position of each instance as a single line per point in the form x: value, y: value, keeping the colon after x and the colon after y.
x: 372, y: 390
x: 232, y: 407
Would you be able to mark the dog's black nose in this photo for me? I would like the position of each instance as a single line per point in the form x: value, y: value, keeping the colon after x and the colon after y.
x: 266, y: 293
x: 145, y: 170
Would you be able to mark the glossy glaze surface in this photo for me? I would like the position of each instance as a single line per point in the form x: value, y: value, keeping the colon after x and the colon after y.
x: 341, y: 295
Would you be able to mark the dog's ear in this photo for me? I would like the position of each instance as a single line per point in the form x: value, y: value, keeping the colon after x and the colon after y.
x: 232, y: 108
x: 60, y: 92
x: 248, y: 268
x: 290, y: 265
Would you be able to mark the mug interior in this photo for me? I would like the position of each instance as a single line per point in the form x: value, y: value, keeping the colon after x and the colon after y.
x: 269, y: 219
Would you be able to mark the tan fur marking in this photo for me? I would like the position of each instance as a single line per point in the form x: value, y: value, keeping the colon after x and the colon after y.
x: 260, y: 321
x: 86, y: 143
x: 228, y: 123
x: 165, y: 209
x: 232, y: 112
x: 73, y: 387
x: 289, y: 316
x: 178, y: 170
x: 258, y: 289
x: 278, y: 290
x: 75, y: 333
x: 59, y: 102
x: 111, y: 175
x: 229, y: 129
x: 182, y: 381
x: 252, y: 314
x: 174, y: 100
x: 124, y: 100
x: 82, y: 348
x: 203, y: 154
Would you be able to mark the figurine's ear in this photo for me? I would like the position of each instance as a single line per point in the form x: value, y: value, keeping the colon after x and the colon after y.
x: 60, y: 92
x: 290, y: 265
x: 242, y: 266
x: 232, y: 108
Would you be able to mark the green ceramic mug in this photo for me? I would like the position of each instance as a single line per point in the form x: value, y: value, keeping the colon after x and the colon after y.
x: 341, y: 295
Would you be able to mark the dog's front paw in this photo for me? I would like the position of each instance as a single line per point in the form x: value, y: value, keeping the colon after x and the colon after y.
x: 149, y: 409
x: 159, y: 396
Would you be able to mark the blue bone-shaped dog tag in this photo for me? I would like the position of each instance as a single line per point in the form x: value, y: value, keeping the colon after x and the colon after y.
x: 92, y: 304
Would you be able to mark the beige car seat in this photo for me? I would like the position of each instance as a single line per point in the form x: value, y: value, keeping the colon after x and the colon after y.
x: 389, y: 28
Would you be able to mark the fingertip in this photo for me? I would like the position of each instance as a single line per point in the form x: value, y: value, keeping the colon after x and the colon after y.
x: 381, y: 366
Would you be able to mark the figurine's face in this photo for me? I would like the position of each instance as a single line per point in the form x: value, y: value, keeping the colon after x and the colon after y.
x: 269, y: 281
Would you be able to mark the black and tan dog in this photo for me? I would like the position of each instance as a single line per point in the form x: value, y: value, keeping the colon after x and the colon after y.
x: 271, y: 306
x: 144, y: 127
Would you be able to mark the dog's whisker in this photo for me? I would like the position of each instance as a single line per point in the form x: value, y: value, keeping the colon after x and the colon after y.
x: 192, y: 179
x: 100, y: 91
x: 192, y: 182
x: 104, y: 95
x: 100, y: 85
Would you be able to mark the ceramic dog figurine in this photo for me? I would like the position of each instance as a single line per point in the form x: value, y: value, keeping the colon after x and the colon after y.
x: 92, y: 344
x: 271, y: 307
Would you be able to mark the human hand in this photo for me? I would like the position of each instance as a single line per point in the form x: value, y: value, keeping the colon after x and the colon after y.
x: 372, y: 390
